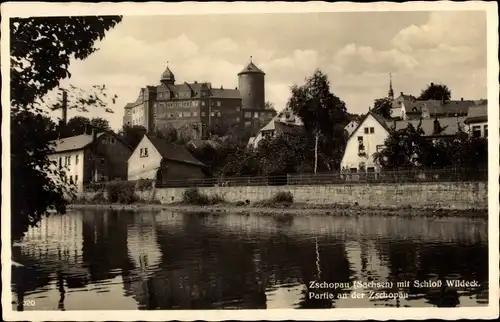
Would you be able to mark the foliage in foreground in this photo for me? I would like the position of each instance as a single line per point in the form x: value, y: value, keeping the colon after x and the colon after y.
x: 40, y: 52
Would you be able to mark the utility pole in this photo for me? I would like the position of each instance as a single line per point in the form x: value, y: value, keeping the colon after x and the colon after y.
x: 316, y: 152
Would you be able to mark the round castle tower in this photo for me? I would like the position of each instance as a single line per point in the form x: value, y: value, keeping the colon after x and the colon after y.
x: 251, y: 86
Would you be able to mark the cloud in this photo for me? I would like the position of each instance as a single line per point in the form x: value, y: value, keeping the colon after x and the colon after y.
x: 358, y: 59
x: 356, y: 51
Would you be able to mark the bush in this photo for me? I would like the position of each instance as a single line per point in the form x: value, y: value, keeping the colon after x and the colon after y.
x: 144, y: 184
x: 193, y: 196
x: 122, y: 192
x: 99, y: 198
x: 283, y: 197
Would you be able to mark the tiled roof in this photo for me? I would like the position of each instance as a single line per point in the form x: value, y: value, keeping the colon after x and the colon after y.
x: 269, y: 126
x: 449, y: 125
x: 225, y: 93
x: 477, y: 114
x: 288, y: 128
x: 73, y: 143
x: 174, y: 152
x: 251, y: 68
x: 435, y: 107
x: 167, y: 74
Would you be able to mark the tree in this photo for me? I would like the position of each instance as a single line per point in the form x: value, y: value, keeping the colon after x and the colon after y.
x: 435, y: 92
x: 404, y: 149
x: 382, y: 106
x: 168, y: 134
x: 100, y: 125
x: 283, y: 154
x: 269, y: 106
x: 323, y: 113
x: 40, y: 52
x: 79, y: 125
x: 132, y: 135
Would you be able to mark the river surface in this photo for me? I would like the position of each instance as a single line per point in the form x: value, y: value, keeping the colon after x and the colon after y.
x: 117, y: 260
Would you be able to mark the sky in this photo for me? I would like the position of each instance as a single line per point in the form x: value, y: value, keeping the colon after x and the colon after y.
x: 357, y: 50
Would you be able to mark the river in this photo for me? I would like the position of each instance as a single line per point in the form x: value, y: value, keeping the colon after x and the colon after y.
x: 118, y: 260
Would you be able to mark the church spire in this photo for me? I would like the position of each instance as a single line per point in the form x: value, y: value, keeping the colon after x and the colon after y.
x: 391, y: 91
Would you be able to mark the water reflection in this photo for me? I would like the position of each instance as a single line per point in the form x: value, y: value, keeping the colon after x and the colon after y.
x: 122, y: 260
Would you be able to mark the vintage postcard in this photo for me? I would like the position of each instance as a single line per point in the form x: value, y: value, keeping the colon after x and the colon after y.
x: 250, y: 160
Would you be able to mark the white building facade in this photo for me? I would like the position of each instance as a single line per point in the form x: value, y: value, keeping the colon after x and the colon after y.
x: 367, y: 139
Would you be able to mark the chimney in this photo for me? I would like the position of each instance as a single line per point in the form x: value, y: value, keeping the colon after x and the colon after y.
x: 402, y: 94
x: 221, y: 87
x: 432, y: 84
x: 64, y: 107
x: 196, y: 82
x: 236, y: 88
x: 462, y: 99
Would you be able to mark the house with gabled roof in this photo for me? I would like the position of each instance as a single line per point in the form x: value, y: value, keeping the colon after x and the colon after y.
x: 165, y: 162
x: 94, y: 157
x: 284, y: 122
x: 477, y: 120
x: 363, y: 142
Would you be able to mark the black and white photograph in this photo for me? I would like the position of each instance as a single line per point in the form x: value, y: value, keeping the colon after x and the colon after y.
x: 250, y: 161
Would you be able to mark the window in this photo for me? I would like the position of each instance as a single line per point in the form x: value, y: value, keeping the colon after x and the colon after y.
x: 203, y: 103
x: 237, y: 119
x: 212, y: 114
x: 248, y: 114
x: 195, y: 113
x: 248, y: 123
x: 361, y: 146
x: 202, y: 113
x: 256, y: 115
x: 370, y: 169
x: 237, y: 108
x: 69, y: 160
x: 112, y: 141
x: 353, y: 170
x: 160, y: 95
x: 372, y: 130
x: 76, y: 179
x: 366, y: 130
x: 76, y: 159
x: 71, y: 179
x: 485, y: 131
x: 476, y: 131
x: 219, y: 103
x: 380, y: 147
x: 219, y: 113
x: 102, y: 161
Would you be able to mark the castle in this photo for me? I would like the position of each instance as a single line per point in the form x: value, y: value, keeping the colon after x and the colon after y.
x: 201, y: 106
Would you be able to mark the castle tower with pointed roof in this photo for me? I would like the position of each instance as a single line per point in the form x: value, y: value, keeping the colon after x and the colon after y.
x: 251, y: 86
x: 167, y: 77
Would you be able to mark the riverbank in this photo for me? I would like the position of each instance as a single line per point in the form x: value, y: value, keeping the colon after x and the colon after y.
x: 291, y: 209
